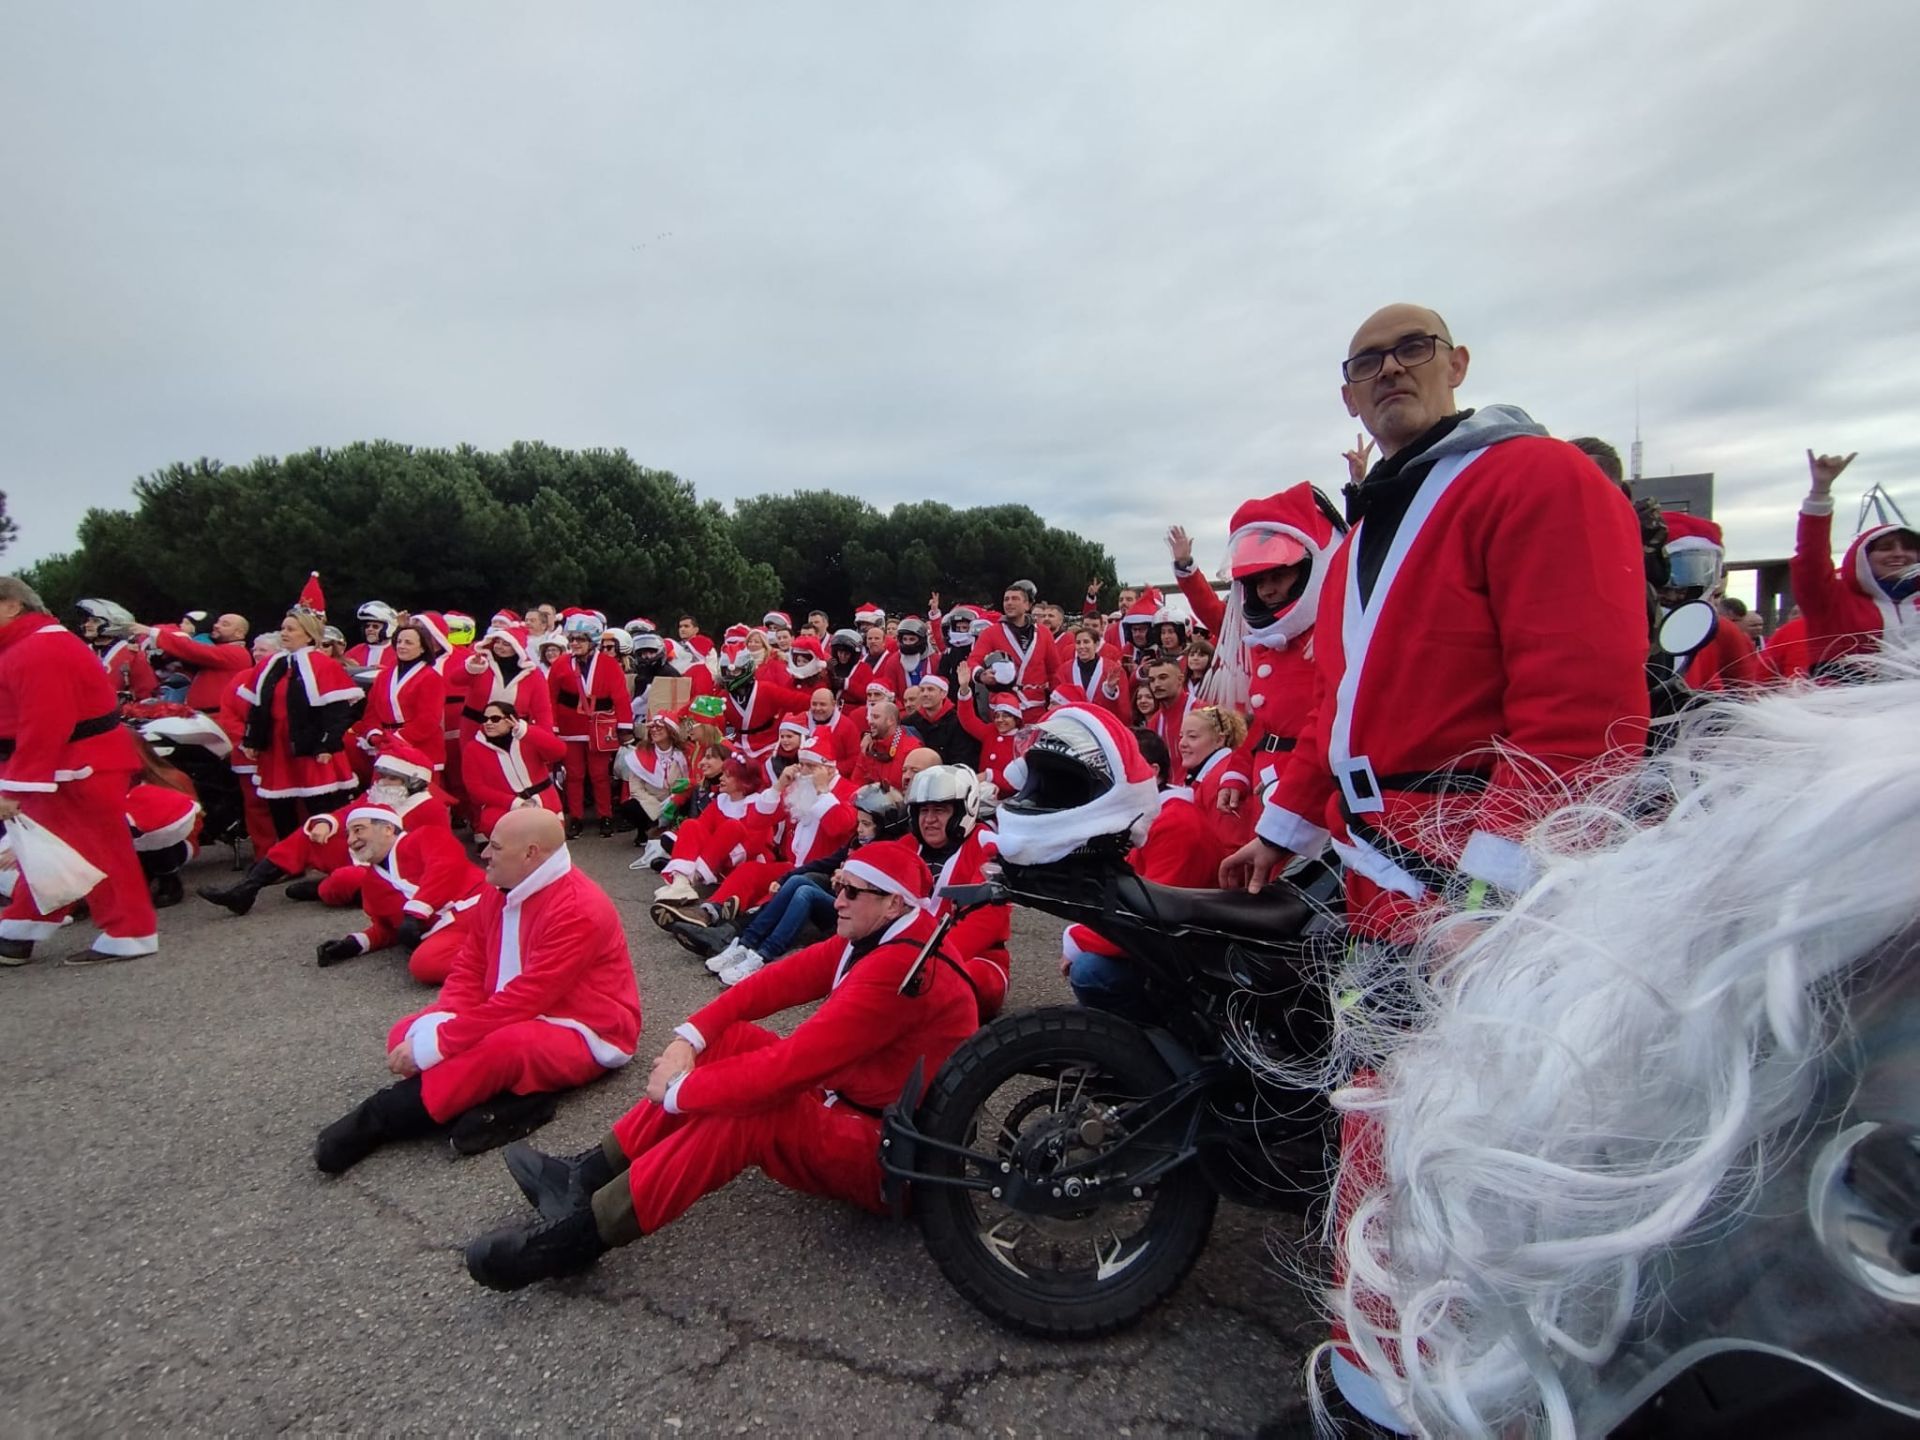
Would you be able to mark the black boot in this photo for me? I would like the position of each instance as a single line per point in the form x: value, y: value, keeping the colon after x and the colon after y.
x: 515, y: 1257
x: 238, y: 897
x: 492, y: 1123
x: 706, y: 941
x: 558, y: 1185
x: 167, y: 891
x: 15, y: 952
x: 395, y: 1113
x: 308, y: 889
x: 606, y: 827
x: 573, y: 828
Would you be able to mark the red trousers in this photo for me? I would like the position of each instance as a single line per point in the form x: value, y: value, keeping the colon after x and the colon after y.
x: 798, y: 1140
x: 432, y: 959
x: 90, y: 815
x: 751, y: 882
x: 260, y: 832
x: 989, y: 976
x: 584, y: 763
x: 527, y: 1058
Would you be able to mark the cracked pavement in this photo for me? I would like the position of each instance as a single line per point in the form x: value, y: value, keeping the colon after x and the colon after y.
x: 172, y: 1260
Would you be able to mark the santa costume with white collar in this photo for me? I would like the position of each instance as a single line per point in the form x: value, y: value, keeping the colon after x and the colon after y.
x: 514, y: 678
x: 804, y: 1108
x: 416, y: 895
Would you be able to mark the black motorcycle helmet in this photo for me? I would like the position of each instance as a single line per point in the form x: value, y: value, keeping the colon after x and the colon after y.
x: 912, y: 636
x: 1066, y: 768
x: 886, y: 807
x: 846, y: 647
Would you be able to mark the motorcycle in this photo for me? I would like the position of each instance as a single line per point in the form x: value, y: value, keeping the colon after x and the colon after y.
x: 1066, y: 1162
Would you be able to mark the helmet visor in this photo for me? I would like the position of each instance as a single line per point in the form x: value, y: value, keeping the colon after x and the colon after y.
x: 1259, y: 548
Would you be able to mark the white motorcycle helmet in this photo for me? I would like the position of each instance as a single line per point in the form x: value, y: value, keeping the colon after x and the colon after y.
x: 115, y: 620
x: 954, y: 785
x: 378, y: 612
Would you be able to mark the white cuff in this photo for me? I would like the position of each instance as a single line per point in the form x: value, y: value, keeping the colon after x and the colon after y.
x: 670, y: 1102
x: 1279, y: 826
x: 359, y: 937
x: 419, y: 909
x: 33, y: 787
x: 1817, y: 505
x: 687, y: 1031
x: 1497, y: 860
x: 1183, y: 569
x: 423, y: 1038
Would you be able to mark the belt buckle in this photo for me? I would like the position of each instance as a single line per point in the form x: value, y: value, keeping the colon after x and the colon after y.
x: 1359, y: 786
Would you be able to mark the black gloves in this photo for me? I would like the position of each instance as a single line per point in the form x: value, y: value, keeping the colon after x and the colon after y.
x: 332, y: 952
x: 411, y: 931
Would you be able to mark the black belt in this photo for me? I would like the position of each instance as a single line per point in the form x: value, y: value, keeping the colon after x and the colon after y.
x: 85, y: 730
x: 1430, y: 873
x: 1277, y: 743
x: 533, y: 790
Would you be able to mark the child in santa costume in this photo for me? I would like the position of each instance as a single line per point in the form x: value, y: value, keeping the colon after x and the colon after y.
x: 419, y: 884
x: 402, y: 781
x: 501, y: 669
x: 66, y: 763
x: 407, y: 699
x: 994, y: 736
x: 299, y: 705
x: 943, y: 808
x: 509, y: 765
x: 541, y: 998
x: 728, y: 1094
x: 786, y: 749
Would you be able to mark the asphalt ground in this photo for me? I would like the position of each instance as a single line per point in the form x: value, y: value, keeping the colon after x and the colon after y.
x: 171, y: 1261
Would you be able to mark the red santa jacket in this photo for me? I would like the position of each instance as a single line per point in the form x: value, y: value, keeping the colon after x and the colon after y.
x: 551, y: 949
x: 881, y: 761
x: 1788, y: 653
x: 160, y: 817
x: 756, y: 720
x: 129, y: 671
x: 497, y: 775
x: 1221, y: 771
x: 411, y: 702
x: 1845, y: 609
x: 364, y: 656
x: 59, y: 715
x: 214, y: 666
x: 986, y: 931
x: 1101, y: 682
x: 996, y: 750
x: 1509, y: 607
x: 1281, y: 683
x: 602, y: 690
x: 527, y: 692
x: 822, y: 827
x: 1726, y: 662
x: 1036, y: 668
x: 1166, y: 722
x: 426, y: 875
x: 861, y: 1044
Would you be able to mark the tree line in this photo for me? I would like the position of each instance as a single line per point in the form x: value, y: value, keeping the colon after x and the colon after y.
x: 474, y: 530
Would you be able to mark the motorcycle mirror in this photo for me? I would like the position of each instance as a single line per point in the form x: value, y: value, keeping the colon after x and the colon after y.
x: 1686, y: 628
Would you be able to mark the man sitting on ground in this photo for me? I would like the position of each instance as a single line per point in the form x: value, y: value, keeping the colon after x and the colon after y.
x: 727, y: 1094
x: 541, y: 998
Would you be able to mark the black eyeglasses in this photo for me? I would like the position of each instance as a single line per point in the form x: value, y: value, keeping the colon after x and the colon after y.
x: 1412, y: 352
x: 843, y: 891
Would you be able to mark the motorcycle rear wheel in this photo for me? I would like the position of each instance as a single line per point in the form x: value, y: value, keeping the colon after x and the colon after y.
x: 1059, y: 1279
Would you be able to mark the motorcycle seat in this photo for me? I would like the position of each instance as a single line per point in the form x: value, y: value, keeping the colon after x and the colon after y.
x: 1276, y: 915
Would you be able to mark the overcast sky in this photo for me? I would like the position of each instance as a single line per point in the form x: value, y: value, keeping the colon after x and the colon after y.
x: 1102, y: 258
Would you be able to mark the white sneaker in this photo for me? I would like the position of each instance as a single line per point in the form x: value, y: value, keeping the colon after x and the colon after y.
x: 654, y: 855
x: 726, y: 957
x: 678, y: 888
x: 740, y: 969
x: 640, y: 864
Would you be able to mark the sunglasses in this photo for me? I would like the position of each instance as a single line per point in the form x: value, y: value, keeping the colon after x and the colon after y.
x: 494, y: 719
x: 844, y: 891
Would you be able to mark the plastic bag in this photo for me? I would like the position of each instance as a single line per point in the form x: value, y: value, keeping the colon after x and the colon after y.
x: 55, y: 872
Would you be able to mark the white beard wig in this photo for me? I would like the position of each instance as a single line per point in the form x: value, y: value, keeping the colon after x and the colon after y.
x: 1582, y: 1088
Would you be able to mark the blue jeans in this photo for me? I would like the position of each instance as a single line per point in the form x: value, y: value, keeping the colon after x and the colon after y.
x: 801, y: 899
x: 1112, y: 983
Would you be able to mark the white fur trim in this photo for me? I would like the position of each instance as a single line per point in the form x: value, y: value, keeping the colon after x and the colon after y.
x: 423, y: 1038
x: 29, y: 929
x: 126, y: 946
x: 609, y: 1056
x: 690, y: 1033
x: 1282, y: 827
x: 670, y: 1102
x: 1498, y: 861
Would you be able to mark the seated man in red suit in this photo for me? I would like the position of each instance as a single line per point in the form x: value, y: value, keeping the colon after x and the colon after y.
x: 541, y: 998
x: 728, y: 1094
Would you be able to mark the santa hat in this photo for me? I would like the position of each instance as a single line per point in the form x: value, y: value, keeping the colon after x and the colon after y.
x: 869, y: 615
x: 311, y: 596
x: 385, y: 814
x: 806, y: 657
x: 777, y: 620
x: 795, y: 724
x: 1143, y: 609
x: 893, y: 867
x: 674, y: 721
x: 878, y: 690
x: 435, y: 625
x: 1129, y: 805
x: 1691, y: 532
x: 935, y: 681
x: 514, y: 635
x: 819, y: 748
x: 503, y: 618
x: 1007, y: 704
x: 397, y: 757
x: 575, y: 621
x: 735, y: 635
